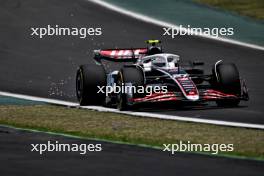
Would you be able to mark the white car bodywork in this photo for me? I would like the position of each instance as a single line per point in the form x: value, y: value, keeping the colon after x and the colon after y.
x: 164, y: 60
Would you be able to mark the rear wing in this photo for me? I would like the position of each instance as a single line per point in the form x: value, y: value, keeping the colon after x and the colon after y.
x: 120, y: 55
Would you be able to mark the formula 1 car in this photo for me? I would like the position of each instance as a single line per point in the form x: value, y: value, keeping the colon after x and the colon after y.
x: 152, y: 68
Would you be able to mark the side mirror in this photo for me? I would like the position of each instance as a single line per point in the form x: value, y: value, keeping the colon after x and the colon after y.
x: 197, y: 63
x: 147, y: 66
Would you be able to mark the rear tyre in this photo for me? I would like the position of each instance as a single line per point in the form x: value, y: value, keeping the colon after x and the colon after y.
x: 132, y: 75
x: 88, y: 77
x: 227, y: 81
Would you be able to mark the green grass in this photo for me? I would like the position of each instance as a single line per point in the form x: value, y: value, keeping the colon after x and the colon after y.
x: 250, y: 8
x: 136, y: 130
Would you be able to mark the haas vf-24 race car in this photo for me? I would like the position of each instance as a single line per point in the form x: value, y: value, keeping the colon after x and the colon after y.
x: 151, y: 67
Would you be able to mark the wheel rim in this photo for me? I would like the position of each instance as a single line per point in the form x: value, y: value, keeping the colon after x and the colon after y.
x: 120, y: 101
x: 79, y: 85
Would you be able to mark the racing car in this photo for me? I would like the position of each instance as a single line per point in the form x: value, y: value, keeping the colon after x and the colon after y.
x: 151, y: 67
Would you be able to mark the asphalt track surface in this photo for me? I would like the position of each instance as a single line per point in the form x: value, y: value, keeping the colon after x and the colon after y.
x: 17, y: 159
x: 46, y: 67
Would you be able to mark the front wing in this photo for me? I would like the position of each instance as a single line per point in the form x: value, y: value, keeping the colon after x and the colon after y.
x: 204, y: 95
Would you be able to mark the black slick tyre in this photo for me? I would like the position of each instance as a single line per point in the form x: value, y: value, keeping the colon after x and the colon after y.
x: 88, y: 78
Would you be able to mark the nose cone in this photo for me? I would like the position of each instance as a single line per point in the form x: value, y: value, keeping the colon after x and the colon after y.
x: 192, y: 97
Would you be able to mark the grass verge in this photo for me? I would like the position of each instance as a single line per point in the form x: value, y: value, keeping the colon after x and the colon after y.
x: 136, y: 130
x: 253, y: 8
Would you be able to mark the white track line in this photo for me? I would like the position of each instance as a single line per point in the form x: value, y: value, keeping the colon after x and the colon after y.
x: 166, y: 24
x: 141, y: 114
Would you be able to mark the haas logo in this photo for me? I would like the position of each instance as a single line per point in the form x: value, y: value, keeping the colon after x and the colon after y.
x: 123, y: 53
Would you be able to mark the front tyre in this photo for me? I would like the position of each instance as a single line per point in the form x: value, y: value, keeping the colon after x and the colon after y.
x: 227, y: 80
x: 88, y: 78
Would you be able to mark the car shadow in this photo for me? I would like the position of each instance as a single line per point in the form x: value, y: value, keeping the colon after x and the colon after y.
x: 172, y: 106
